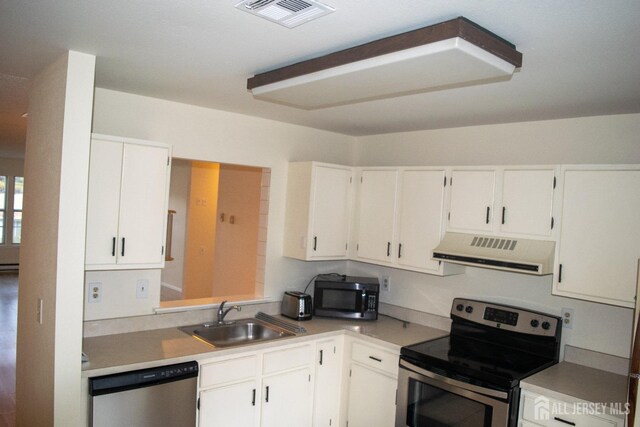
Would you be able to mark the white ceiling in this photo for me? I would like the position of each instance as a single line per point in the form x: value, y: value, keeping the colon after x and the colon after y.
x: 580, y: 57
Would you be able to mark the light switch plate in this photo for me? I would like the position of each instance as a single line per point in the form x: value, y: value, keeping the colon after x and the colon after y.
x: 142, y: 289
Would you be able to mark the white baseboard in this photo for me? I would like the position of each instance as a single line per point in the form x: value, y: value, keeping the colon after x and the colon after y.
x: 172, y: 287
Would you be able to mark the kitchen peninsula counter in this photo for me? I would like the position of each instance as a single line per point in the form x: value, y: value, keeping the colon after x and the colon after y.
x: 570, y: 382
x: 110, y: 354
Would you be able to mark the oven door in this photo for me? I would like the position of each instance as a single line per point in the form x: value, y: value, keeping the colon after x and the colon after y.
x: 428, y: 399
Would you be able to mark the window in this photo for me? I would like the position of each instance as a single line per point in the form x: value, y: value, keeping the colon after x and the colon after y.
x: 11, y: 209
x: 3, y: 207
x: 16, y: 232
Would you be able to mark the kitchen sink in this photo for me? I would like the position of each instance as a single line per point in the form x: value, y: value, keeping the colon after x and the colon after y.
x: 238, y: 332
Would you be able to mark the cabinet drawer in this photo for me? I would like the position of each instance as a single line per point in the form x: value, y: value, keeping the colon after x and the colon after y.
x: 555, y: 413
x: 376, y: 358
x: 290, y: 358
x: 228, y: 371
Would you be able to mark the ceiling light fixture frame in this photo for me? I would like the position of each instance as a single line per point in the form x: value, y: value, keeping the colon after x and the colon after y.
x: 456, y: 35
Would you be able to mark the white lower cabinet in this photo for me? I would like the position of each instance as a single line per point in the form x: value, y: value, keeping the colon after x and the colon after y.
x: 287, y: 399
x: 540, y: 410
x: 272, y: 387
x: 229, y: 391
x: 373, y: 380
x: 230, y: 405
x: 326, y: 405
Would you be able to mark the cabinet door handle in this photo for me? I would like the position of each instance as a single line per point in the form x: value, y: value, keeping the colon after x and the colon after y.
x: 560, y: 274
x: 388, y: 248
x: 400, y: 250
x: 266, y: 394
x: 113, y: 247
x: 488, y: 211
x: 321, y: 357
x: 375, y: 358
x: 122, y: 250
x: 315, y: 242
x: 253, y: 398
x: 504, y: 211
x: 571, y: 423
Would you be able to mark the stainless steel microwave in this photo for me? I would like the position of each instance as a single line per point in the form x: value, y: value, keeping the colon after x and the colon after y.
x: 346, y: 297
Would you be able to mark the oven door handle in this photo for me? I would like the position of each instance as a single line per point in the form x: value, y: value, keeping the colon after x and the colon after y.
x: 466, y: 386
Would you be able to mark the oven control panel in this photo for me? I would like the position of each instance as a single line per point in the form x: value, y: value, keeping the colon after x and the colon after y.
x: 506, y: 317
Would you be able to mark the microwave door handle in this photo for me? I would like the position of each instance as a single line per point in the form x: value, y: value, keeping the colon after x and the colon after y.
x: 363, y: 303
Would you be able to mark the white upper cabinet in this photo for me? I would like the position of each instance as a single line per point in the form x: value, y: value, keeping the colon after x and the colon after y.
x: 421, y: 220
x: 527, y: 201
x: 376, y: 215
x: 401, y: 218
x: 510, y: 201
x: 127, y: 203
x: 318, y: 212
x: 103, y: 204
x: 599, y: 244
x: 472, y: 199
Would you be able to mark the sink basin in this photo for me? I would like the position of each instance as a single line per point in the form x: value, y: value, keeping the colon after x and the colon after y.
x: 238, y: 332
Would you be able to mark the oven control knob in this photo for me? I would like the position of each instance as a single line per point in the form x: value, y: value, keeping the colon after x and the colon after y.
x: 459, y: 307
x: 469, y: 309
x: 546, y: 325
x: 535, y: 323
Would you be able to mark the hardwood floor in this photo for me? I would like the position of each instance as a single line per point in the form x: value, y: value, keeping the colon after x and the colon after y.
x: 8, y: 331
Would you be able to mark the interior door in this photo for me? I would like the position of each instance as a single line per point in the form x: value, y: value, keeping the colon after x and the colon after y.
x: 633, y: 418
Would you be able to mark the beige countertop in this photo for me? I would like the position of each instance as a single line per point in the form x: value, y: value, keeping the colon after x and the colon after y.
x: 110, y: 354
x: 570, y: 382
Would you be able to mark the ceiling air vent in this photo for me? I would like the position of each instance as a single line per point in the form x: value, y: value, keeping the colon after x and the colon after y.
x: 289, y: 13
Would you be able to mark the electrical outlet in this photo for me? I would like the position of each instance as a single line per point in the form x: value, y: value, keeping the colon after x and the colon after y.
x: 94, y: 292
x: 142, y: 289
x: 386, y: 283
x: 567, y: 317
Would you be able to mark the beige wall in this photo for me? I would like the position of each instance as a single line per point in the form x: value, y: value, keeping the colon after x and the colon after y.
x: 173, y: 271
x: 48, y: 389
x: 200, y: 250
x: 205, y: 134
x: 234, y: 271
x: 600, y: 139
x: 608, y: 139
x: 118, y: 296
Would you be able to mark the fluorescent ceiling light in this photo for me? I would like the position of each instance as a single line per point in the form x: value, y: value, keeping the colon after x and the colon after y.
x: 451, y: 54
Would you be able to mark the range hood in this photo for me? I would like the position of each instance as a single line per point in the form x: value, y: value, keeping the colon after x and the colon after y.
x: 500, y: 253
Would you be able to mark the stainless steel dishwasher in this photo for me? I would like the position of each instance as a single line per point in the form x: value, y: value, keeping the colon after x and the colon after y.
x: 162, y: 396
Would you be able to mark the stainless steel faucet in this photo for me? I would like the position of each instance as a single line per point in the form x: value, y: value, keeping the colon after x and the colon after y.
x: 222, y: 312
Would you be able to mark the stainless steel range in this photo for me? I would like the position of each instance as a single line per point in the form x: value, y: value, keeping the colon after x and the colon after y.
x: 471, y: 377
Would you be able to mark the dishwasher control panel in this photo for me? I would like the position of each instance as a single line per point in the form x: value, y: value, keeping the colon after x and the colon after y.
x: 141, y: 378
